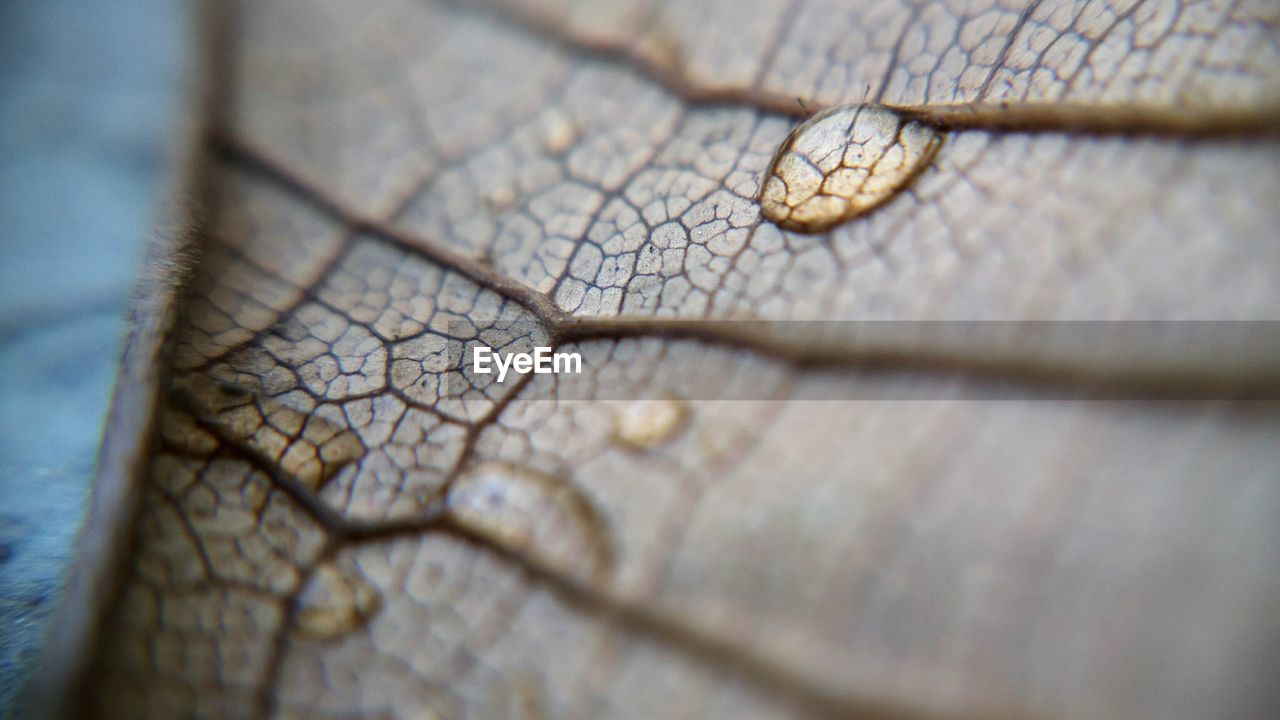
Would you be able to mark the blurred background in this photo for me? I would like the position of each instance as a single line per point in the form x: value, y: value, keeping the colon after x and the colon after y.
x: 89, y: 96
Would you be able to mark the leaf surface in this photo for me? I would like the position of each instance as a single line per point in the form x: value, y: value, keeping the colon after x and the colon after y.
x: 335, y: 522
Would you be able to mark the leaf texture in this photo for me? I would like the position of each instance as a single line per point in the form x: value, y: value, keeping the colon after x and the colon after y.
x: 334, y: 522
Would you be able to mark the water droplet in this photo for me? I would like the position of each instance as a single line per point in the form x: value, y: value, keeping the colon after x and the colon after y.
x: 537, y: 513
x: 335, y: 601
x: 842, y: 163
x: 559, y: 134
x: 500, y: 197
x: 646, y: 424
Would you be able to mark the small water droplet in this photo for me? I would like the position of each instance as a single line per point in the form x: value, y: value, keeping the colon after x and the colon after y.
x: 545, y: 516
x: 559, y: 134
x: 646, y: 424
x: 500, y: 197
x: 336, y: 601
x: 842, y: 163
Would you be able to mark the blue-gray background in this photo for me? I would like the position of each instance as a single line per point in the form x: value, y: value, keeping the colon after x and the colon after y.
x: 89, y: 93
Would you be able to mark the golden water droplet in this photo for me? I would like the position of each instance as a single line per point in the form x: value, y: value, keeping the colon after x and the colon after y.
x: 335, y: 601
x: 842, y: 163
x: 646, y: 424
x: 545, y: 516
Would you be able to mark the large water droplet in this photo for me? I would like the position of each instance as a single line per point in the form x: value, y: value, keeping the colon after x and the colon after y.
x: 646, y: 424
x: 336, y: 601
x: 539, y: 514
x: 841, y: 163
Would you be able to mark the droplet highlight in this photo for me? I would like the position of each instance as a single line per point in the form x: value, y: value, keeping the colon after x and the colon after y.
x: 647, y: 424
x: 842, y: 163
x: 336, y: 601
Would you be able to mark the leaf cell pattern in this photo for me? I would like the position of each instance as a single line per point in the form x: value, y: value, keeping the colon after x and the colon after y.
x: 340, y: 521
